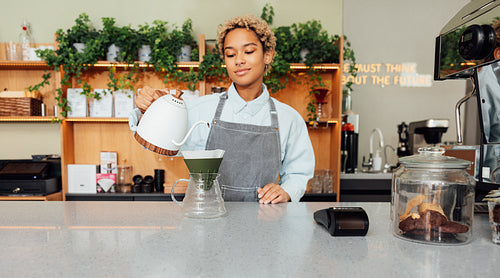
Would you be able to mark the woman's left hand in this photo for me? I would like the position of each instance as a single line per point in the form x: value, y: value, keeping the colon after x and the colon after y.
x: 272, y: 193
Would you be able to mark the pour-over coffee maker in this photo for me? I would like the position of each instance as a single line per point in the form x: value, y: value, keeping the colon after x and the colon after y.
x: 203, y: 197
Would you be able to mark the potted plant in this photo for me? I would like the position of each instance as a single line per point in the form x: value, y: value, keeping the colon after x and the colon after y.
x: 189, y: 44
x: 71, y: 60
x: 146, y: 35
x: 315, y: 44
x: 119, y: 43
x: 81, y: 32
x: 111, y: 39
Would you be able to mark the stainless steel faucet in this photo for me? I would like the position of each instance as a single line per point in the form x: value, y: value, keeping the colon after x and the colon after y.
x: 369, y: 164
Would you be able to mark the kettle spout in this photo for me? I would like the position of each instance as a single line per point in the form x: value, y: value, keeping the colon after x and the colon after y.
x: 189, y: 133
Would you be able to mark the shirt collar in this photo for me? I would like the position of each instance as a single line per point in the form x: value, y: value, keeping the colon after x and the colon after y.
x: 251, y: 107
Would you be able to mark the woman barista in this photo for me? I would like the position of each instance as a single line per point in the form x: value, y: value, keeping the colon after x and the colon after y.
x: 262, y: 137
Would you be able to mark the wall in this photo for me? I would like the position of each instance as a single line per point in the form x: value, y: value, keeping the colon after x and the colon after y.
x: 382, y: 31
x: 396, y: 32
x: 48, y: 16
x: 45, y: 17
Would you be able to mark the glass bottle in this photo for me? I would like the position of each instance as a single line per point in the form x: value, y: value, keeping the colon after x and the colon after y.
x: 25, y: 41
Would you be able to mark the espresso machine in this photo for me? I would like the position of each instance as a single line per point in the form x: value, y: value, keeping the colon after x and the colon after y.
x: 468, y: 47
x: 425, y: 133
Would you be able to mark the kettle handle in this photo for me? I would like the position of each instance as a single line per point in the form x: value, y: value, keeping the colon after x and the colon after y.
x: 172, y: 191
x: 189, y: 133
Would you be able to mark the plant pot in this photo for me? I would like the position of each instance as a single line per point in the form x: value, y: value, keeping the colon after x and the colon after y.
x: 185, y: 55
x: 113, y: 52
x: 79, y: 47
x: 303, y: 54
x: 144, y: 53
x: 346, y: 102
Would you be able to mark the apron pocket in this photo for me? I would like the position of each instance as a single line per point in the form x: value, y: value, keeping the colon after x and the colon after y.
x: 239, y: 194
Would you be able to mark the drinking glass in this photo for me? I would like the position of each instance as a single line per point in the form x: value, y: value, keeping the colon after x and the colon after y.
x: 494, y: 213
x: 13, y: 51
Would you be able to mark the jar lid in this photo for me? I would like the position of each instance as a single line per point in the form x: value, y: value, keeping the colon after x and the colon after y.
x: 432, y: 157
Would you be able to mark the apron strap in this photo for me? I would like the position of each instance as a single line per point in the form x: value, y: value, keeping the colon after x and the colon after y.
x: 220, y: 106
x: 274, y: 114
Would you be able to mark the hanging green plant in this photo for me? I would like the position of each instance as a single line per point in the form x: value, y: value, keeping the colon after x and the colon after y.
x: 279, y: 74
x: 165, y: 43
x: 212, y: 66
x: 305, y: 43
x: 349, y: 58
x: 71, y: 60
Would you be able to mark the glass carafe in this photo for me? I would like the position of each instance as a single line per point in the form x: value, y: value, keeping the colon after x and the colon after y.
x: 124, y: 179
x: 203, y: 198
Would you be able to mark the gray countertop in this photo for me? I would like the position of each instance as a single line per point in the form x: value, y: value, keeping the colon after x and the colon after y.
x: 152, y: 239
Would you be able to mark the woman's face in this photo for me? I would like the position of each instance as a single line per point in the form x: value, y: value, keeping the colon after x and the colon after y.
x: 245, y: 58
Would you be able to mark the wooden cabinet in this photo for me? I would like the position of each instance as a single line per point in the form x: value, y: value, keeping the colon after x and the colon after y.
x: 82, y: 139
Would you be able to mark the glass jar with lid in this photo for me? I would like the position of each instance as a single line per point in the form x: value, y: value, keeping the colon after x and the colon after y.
x: 432, y: 198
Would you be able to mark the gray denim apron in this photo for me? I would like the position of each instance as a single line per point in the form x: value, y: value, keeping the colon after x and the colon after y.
x: 252, y: 155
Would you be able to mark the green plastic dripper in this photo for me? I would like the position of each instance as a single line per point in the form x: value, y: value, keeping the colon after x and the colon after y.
x: 203, y: 162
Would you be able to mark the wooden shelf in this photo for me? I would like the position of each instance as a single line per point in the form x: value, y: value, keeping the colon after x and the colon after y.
x: 96, y: 120
x: 49, y: 119
x: 188, y: 65
x: 322, y: 123
x: 45, y: 119
x: 107, y: 64
x: 326, y: 67
x: 23, y: 65
x: 51, y: 197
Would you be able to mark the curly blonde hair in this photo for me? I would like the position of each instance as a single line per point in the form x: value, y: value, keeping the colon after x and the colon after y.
x: 249, y: 22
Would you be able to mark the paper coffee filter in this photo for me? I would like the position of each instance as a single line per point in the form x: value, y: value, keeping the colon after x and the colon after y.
x: 202, y: 154
x: 106, y: 183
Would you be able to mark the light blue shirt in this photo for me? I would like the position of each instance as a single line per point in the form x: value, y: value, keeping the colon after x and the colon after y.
x: 297, y: 154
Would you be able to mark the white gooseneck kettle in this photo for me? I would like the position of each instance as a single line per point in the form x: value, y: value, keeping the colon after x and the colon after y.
x: 162, y: 129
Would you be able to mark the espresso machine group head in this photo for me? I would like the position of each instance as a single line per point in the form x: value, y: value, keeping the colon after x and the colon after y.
x: 426, y: 132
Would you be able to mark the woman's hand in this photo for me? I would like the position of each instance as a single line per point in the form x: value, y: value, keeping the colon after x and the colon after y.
x: 148, y: 95
x: 272, y: 193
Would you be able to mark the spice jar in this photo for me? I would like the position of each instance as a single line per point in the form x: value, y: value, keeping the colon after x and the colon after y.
x: 432, y: 198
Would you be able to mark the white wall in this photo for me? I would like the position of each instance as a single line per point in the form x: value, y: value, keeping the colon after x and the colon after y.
x: 400, y: 31
x: 382, y: 31
x: 49, y: 15
x: 45, y: 17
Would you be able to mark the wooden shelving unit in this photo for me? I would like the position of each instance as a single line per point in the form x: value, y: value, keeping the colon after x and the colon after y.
x: 82, y: 139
